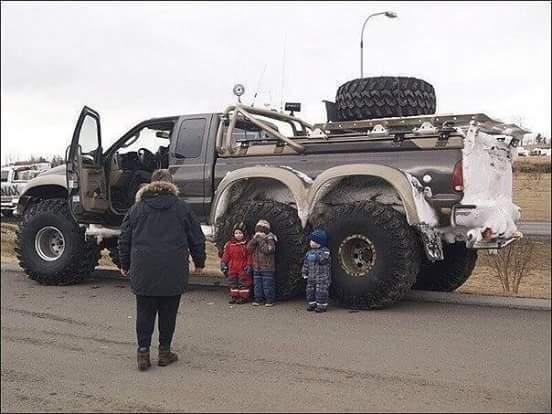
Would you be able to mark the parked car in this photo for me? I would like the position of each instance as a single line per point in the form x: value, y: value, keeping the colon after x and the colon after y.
x: 522, y: 152
x: 14, y: 179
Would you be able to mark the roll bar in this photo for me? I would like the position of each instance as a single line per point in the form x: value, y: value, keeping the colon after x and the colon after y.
x: 248, y: 112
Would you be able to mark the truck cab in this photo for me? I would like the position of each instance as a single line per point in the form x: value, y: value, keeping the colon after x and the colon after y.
x: 102, y: 184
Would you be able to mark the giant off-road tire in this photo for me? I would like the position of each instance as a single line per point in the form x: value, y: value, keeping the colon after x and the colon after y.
x: 449, y: 274
x: 51, y: 247
x: 376, y: 255
x: 285, y: 225
x: 383, y: 97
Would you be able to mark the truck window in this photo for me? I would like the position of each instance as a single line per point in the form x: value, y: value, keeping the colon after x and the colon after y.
x: 89, y: 138
x: 190, y: 138
x: 24, y: 175
x: 245, y: 131
x: 239, y: 135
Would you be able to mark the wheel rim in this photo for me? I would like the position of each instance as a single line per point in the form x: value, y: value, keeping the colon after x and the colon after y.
x: 49, y: 243
x: 357, y: 255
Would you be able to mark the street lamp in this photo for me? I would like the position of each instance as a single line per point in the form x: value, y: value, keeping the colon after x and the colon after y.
x: 389, y: 14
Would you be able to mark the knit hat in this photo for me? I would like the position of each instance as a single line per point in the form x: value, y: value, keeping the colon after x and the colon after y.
x: 319, y: 236
x: 241, y: 227
x: 263, y: 223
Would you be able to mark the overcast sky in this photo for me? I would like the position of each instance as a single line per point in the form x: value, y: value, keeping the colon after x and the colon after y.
x: 136, y: 61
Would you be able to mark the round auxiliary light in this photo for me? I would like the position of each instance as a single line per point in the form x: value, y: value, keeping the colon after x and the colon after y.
x: 239, y: 89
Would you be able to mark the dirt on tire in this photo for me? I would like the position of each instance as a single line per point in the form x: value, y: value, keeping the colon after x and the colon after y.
x: 397, y: 255
x: 383, y: 97
x: 285, y: 225
x: 449, y: 274
x: 79, y: 257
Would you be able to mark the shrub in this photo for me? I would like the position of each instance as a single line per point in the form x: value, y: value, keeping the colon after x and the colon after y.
x: 512, y: 263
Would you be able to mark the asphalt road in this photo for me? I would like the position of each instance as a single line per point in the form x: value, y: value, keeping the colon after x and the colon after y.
x: 72, y: 349
x: 537, y: 230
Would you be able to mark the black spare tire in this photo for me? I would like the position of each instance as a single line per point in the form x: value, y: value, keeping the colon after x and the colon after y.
x: 384, y: 97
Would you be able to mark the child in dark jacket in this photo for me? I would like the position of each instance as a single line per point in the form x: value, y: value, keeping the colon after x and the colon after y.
x: 262, y: 248
x: 236, y: 265
x: 317, y: 271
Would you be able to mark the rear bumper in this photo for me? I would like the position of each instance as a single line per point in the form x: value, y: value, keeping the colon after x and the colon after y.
x: 486, y: 226
x: 498, y: 243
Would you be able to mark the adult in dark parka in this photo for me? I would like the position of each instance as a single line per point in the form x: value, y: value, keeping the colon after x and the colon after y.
x: 157, y: 236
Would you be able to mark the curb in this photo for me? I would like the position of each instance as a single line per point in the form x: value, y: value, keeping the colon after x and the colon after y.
x: 479, y: 300
x: 413, y: 296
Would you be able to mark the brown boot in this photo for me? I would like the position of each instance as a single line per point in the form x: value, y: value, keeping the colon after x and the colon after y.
x: 166, y: 357
x: 143, y: 359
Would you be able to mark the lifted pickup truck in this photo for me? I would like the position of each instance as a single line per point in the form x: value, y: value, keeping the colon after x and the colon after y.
x: 407, y: 201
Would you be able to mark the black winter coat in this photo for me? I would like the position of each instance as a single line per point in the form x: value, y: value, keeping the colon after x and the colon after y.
x: 157, y: 236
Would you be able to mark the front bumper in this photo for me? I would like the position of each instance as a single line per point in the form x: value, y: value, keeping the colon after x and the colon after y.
x: 9, y: 203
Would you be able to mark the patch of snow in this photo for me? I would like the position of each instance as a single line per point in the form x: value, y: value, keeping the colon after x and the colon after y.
x: 426, y: 213
x: 299, y: 174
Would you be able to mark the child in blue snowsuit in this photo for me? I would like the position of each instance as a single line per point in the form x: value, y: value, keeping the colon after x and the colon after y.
x: 317, y: 271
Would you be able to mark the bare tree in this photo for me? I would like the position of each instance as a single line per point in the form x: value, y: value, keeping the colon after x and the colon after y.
x: 512, y: 264
x: 37, y: 158
x: 57, y: 160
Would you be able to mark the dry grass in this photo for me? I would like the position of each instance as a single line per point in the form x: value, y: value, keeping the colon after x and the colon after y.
x: 536, y: 284
x: 538, y: 165
x: 8, y: 241
x: 532, y: 193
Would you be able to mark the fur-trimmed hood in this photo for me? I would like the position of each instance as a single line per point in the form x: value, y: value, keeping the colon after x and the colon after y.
x: 156, y: 188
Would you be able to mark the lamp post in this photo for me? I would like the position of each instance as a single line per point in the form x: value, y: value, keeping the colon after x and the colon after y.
x: 389, y: 14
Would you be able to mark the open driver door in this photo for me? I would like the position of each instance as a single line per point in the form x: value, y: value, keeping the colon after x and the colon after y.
x: 86, y: 181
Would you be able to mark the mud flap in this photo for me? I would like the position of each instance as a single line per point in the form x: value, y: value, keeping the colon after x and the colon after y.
x: 433, y: 245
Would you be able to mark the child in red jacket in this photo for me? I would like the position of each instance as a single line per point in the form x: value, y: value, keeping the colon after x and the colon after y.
x: 236, y: 265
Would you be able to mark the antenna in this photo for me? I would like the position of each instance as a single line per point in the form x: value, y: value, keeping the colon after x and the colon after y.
x: 258, y: 86
x: 283, y: 75
x: 269, y: 103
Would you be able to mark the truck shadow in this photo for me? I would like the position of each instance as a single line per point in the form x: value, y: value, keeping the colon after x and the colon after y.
x: 207, y: 283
